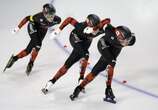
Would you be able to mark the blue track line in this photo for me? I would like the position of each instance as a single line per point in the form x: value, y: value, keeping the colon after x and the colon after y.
x: 115, y: 80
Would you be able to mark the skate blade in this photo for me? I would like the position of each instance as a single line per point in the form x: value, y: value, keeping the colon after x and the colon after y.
x: 83, y: 90
x: 5, y: 69
x: 44, y: 91
x: 28, y: 73
x: 72, y: 97
x: 7, y: 63
x: 110, y: 100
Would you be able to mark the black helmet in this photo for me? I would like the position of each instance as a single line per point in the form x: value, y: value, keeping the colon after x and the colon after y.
x: 93, y: 20
x: 49, y: 9
x: 49, y: 12
x: 125, y: 31
x: 127, y: 34
x: 132, y: 40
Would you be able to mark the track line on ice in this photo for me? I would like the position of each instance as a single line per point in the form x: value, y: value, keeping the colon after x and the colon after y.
x: 115, y: 80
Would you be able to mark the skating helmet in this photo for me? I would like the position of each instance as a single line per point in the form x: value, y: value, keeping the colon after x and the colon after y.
x: 132, y: 40
x: 124, y: 33
x: 49, y: 12
x: 92, y: 20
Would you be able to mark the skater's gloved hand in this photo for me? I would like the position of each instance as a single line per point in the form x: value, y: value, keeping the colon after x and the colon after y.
x: 55, y: 33
x: 15, y: 30
x: 88, y: 30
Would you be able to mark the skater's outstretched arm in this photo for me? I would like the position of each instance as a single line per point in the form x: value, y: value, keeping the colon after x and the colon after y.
x: 103, y: 23
x: 67, y: 21
x: 24, y: 21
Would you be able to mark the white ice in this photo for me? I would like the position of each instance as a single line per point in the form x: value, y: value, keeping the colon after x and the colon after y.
x: 138, y: 65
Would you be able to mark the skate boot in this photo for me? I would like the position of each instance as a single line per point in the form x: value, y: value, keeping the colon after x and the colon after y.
x: 11, y: 61
x: 76, y: 92
x: 29, y: 68
x: 109, y: 95
x: 45, y: 89
x: 80, y: 79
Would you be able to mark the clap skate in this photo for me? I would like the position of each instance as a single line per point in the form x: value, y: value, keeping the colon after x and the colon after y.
x: 76, y: 92
x: 11, y: 61
x: 79, y: 81
x: 47, y: 86
x: 109, y: 96
x: 29, y: 68
x: 44, y: 90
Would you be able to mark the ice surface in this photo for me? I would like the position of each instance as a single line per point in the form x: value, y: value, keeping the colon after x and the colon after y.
x: 138, y: 65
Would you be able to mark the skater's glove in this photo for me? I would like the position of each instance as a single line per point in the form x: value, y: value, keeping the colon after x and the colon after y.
x: 88, y: 30
x: 55, y: 33
x: 15, y: 30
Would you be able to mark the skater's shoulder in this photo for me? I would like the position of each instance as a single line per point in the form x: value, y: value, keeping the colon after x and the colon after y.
x: 57, y: 18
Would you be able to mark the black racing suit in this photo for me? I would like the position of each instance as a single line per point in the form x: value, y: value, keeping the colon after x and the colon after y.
x: 109, y: 48
x: 37, y: 29
x: 80, y: 43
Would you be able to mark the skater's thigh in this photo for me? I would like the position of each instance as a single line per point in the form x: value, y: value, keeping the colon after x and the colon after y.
x: 99, y: 66
x: 73, y: 58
